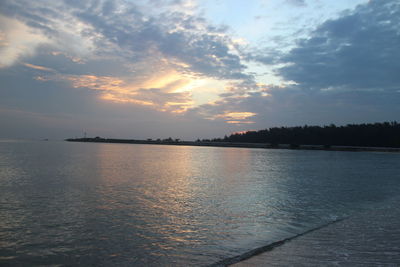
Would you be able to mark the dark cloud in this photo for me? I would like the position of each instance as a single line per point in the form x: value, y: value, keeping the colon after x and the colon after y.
x: 356, y: 51
x: 293, y: 107
x: 347, y: 68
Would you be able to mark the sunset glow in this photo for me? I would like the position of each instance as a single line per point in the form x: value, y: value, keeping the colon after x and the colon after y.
x: 186, y: 66
x: 196, y: 132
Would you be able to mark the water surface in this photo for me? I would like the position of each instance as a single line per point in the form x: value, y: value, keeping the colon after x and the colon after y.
x: 102, y: 204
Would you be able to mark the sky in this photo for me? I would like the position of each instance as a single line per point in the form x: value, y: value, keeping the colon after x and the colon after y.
x: 193, y: 69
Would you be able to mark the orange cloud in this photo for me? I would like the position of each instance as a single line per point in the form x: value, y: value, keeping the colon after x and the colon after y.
x: 243, y: 132
x: 164, y: 89
x: 113, y: 98
x: 104, y: 83
x: 236, y: 117
x: 37, y: 67
x: 170, y: 80
x: 180, y: 107
x: 240, y: 122
x: 117, y: 90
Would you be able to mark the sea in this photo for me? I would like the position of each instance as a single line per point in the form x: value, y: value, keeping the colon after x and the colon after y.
x: 97, y: 204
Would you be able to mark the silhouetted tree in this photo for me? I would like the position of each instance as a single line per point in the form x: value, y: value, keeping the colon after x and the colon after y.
x: 386, y: 134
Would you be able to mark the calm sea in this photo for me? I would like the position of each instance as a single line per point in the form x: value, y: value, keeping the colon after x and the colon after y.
x: 116, y: 204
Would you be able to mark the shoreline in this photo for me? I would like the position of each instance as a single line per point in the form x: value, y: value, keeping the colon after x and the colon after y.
x: 237, y: 145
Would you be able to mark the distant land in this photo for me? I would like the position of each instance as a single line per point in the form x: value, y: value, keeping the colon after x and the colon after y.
x: 386, y: 134
x: 384, y: 137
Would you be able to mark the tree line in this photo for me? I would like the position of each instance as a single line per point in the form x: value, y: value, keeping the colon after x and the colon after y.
x: 386, y: 134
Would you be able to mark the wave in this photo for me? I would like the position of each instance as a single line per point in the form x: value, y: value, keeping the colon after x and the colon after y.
x: 268, y: 247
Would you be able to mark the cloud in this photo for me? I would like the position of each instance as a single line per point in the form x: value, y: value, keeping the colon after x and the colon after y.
x: 102, y: 83
x: 128, y: 63
x: 120, y: 27
x: 236, y: 117
x: 165, y: 98
x: 358, y: 51
x: 17, y: 40
x: 119, y: 47
x: 299, y: 3
x: 37, y: 67
x: 347, y: 68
